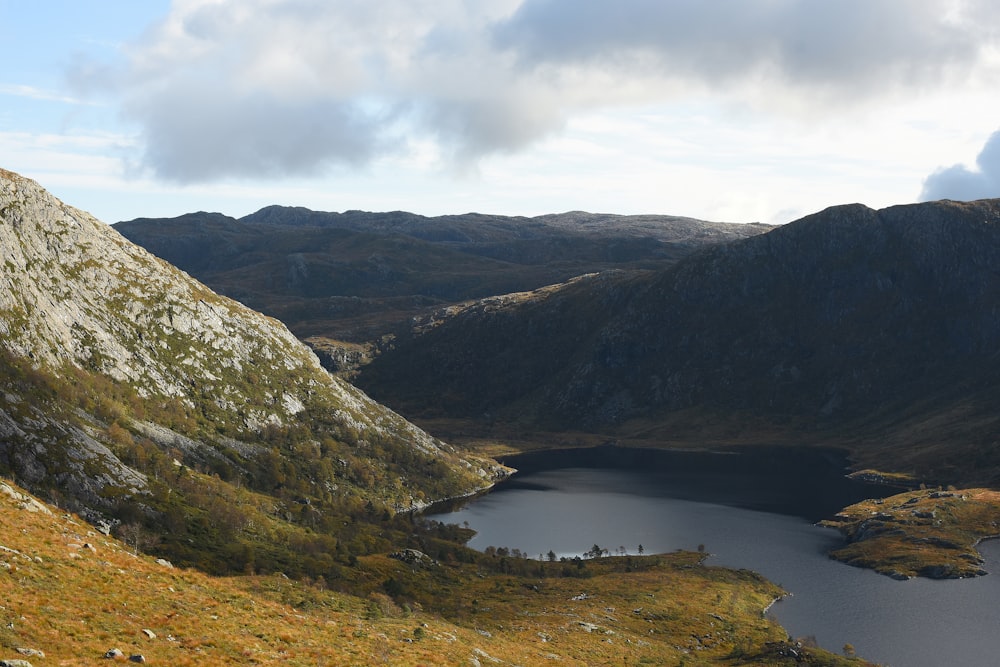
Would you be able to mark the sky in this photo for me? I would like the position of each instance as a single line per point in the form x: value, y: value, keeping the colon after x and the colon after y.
x: 725, y: 110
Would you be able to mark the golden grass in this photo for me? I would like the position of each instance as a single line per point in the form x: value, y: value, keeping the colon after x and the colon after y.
x: 930, y: 533
x: 75, y: 594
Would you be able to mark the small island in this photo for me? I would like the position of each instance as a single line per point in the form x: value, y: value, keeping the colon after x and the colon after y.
x: 924, y: 533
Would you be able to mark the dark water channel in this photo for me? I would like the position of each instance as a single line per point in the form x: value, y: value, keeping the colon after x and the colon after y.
x: 756, y: 510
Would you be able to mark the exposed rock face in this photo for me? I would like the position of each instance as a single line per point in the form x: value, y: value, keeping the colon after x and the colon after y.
x: 15, y: 663
x: 75, y: 293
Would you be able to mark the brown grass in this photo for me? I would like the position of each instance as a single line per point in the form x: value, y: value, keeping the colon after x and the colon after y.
x: 74, y: 594
x: 930, y: 533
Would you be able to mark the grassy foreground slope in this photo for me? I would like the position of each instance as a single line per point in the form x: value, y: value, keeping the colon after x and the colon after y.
x: 73, y: 594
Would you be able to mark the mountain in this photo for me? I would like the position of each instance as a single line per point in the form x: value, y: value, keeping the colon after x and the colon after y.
x: 180, y: 423
x: 877, y: 330
x: 357, y: 276
x: 122, y: 379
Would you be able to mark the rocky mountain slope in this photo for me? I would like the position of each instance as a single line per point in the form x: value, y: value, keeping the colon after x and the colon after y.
x: 879, y: 329
x: 356, y: 276
x: 116, y: 367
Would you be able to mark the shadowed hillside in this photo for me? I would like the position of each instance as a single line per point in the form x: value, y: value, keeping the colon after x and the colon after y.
x: 356, y: 276
x: 180, y: 423
x: 879, y: 328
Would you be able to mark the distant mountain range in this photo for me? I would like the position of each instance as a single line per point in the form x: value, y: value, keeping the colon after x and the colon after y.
x: 192, y: 427
x: 356, y: 276
x: 874, y: 330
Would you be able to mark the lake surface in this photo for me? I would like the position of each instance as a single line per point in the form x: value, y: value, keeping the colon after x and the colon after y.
x: 752, y: 510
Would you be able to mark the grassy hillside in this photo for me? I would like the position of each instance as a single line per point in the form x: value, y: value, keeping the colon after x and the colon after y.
x: 306, y: 499
x: 74, y: 594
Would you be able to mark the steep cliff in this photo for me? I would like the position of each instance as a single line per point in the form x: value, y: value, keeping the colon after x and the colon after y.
x: 106, y: 348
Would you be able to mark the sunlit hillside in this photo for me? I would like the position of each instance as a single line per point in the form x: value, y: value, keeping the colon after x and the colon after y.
x: 72, y: 595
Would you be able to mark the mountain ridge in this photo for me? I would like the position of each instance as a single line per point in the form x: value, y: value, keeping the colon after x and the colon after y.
x: 358, y: 276
x: 831, y: 327
x: 204, y: 433
x: 120, y: 372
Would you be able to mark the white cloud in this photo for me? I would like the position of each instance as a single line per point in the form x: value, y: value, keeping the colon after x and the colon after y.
x: 38, y: 155
x: 35, y: 93
x: 244, y: 88
x: 847, y: 45
x: 962, y: 183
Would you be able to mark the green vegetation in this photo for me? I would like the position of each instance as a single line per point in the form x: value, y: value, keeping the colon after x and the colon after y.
x: 300, y: 499
x: 653, y: 610
x: 192, y: 429
x: 263, y: 510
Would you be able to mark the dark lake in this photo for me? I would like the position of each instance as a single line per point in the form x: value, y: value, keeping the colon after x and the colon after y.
x: 755, y: 509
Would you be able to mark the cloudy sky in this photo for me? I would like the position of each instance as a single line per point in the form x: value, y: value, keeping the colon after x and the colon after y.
x: 735, y: 110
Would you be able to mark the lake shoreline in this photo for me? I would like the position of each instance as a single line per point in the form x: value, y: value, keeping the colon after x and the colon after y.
x: 871, y: 526
x: 930, y: 533
x: 567, y: 509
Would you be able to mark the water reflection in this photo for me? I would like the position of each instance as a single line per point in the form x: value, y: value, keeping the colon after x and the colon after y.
x: 665, y: 504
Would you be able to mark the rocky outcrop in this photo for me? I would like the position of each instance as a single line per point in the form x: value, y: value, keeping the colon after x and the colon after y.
x: 922, y: 533
x: 23, y: 500
x: 75, y: 294
x: 16, y: 662
x: 76, y: 291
